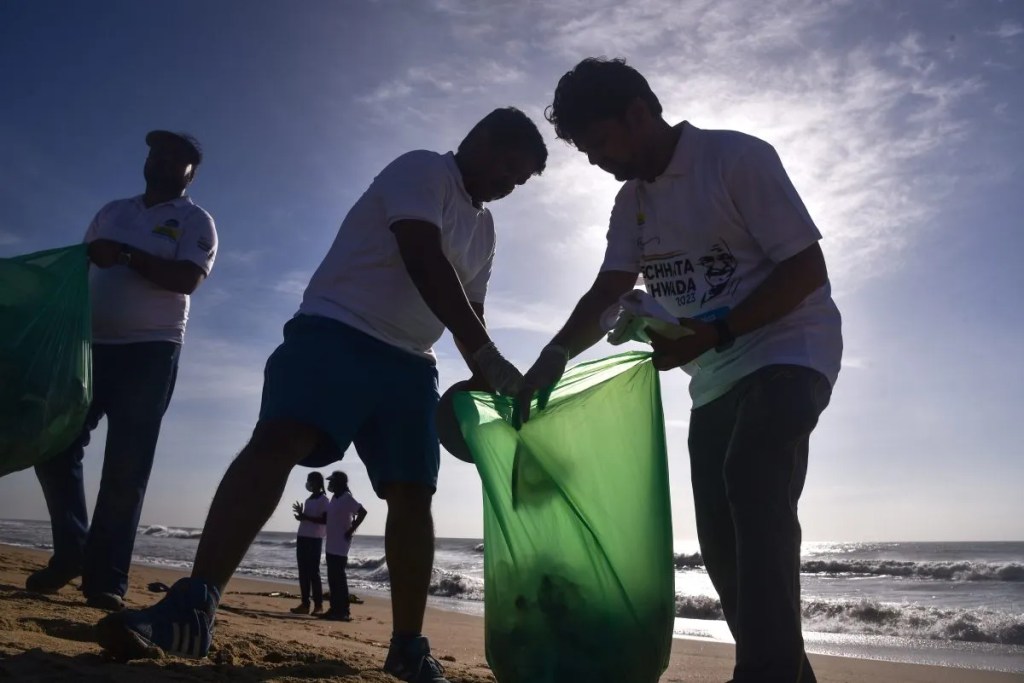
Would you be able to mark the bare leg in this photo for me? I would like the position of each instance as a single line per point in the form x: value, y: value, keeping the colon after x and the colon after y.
x: 409, y: 547
x: 248, y: 494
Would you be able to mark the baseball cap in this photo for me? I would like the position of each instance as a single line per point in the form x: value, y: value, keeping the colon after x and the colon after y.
x: 337, y: 474
x: 183, y: 140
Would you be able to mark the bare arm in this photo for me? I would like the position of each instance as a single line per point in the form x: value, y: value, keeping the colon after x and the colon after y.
x: 176, y: 276
x: 419, y: 243
x: 467, y: 355
x: 583, y: 328
x: 360, y: 516
x: 789, y: 283
x: 792, y: 281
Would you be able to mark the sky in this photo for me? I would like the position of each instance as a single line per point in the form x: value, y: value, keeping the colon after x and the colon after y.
x: 899, y: 121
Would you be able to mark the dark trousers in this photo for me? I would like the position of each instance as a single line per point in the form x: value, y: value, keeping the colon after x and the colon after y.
x: 132, y: 387
x: 338, y: 582
x: 748, y: 462
x: 307, y: 551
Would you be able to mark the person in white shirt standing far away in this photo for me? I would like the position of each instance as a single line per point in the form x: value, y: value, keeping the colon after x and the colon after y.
x: 309, y: 542
x: 344, y: 515
x: 412, y: 257
x: 724, y: 243
x: 149, y: 253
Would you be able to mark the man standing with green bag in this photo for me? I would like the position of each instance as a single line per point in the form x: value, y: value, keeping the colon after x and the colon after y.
x: 723, y: 242
x: 150, y: 252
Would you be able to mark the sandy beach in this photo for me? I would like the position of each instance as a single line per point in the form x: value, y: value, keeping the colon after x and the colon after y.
x: 50, y: 638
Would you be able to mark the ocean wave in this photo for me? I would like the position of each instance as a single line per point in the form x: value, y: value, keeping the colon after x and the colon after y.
x: 279, y: 544
x: 943, y: 571
x: 447, y: 584
x: 869, y: 617
x: 478, y: 548
x: 160, y: 531
x: 688, y: 561
x: 366, y: 562
x: 947, y: 571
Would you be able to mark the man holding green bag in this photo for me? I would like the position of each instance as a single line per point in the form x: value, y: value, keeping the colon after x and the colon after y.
x: 149, y: 254
x: 723, y: 242
x: 412, y: 257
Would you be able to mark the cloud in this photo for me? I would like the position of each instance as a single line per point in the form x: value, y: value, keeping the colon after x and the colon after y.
x: 8, y: 238
x: 1008, y: 29
x: 293, y: 283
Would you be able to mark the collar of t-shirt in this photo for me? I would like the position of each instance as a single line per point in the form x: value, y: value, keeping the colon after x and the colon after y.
x: 453, y: 168
x: 683, y: 155
x: 177, y: 202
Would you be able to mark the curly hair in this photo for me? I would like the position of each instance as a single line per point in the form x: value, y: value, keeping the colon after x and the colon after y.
x: 596, y: 89
x: 511, y: 128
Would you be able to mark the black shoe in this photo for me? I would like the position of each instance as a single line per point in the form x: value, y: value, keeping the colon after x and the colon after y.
x: 410, y: 660
x: 332, y: 615
x: 111, y: 602
x: 50, y: 579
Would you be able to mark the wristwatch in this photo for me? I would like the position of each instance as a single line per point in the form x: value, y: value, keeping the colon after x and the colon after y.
x: 725, y: 336
x: 124, y: 257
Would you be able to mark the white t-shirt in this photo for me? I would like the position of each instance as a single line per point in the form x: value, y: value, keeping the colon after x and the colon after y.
x: 363, y: 282
x: 314, y: 507
x: 341, y: 512
x: 127, y: 307
x: 705, y: 234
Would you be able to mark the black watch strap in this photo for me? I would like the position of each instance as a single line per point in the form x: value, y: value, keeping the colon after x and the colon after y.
x: 124, y: 257
x: 725, y: 336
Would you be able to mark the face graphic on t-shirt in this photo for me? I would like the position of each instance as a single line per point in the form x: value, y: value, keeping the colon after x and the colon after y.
x: 719, y: 267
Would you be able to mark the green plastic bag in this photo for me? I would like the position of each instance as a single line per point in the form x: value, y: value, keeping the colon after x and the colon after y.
x: 45, y: 354
x: 578, y: 573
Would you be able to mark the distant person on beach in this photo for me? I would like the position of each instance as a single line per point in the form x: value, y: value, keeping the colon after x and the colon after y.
x: 344, y: 515
x: 149, y: 252
x: 712, y: 222
x: 412, y: 257
x: 309, y: 543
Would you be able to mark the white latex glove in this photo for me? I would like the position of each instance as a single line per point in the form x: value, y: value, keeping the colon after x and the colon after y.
x: 542, y: 377
x: 503, y: 377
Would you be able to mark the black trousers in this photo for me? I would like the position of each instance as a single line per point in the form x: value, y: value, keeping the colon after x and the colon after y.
x: 748, y: 462
x: 338, y: 582
x: 307, y: 552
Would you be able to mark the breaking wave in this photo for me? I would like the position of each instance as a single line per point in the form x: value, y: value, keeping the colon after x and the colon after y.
x: 869, y: 617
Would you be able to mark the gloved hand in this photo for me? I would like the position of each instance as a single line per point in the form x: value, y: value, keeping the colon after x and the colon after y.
x: 503, y: 377
x: 542, y: 377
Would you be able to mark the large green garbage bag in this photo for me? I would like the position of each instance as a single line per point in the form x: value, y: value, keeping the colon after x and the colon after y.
x: 45, y: 354
x: 578, y: 574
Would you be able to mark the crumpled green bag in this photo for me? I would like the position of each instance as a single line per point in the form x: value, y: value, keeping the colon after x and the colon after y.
x: 45, y: 354
x: 578, y: 573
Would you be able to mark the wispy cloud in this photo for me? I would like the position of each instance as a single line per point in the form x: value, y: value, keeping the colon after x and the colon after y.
x: 293, y: 282
x: 8, y: 238
x: 1007, y: 29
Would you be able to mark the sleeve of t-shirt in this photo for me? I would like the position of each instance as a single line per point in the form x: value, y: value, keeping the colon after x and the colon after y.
x: 198, y: 243
x: 770, y: 207
x: 413, y: 187
x: 622, y: 251
x: 93, y: 231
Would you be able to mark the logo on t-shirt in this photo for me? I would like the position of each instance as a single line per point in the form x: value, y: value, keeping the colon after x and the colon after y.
x: 719, y: 268
x: 684, y: 285
x: 169, y: 229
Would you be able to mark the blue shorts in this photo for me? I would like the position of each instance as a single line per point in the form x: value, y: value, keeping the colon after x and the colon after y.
x: 357, y: 390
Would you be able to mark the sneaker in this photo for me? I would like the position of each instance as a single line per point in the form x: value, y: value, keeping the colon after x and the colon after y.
x: 317, y: 610
x: 50, y: 579
x: 301, y: 608
x: 410, y: 660
x: 111, y: 602
x: 332, y: 615
x: 180, y: 624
